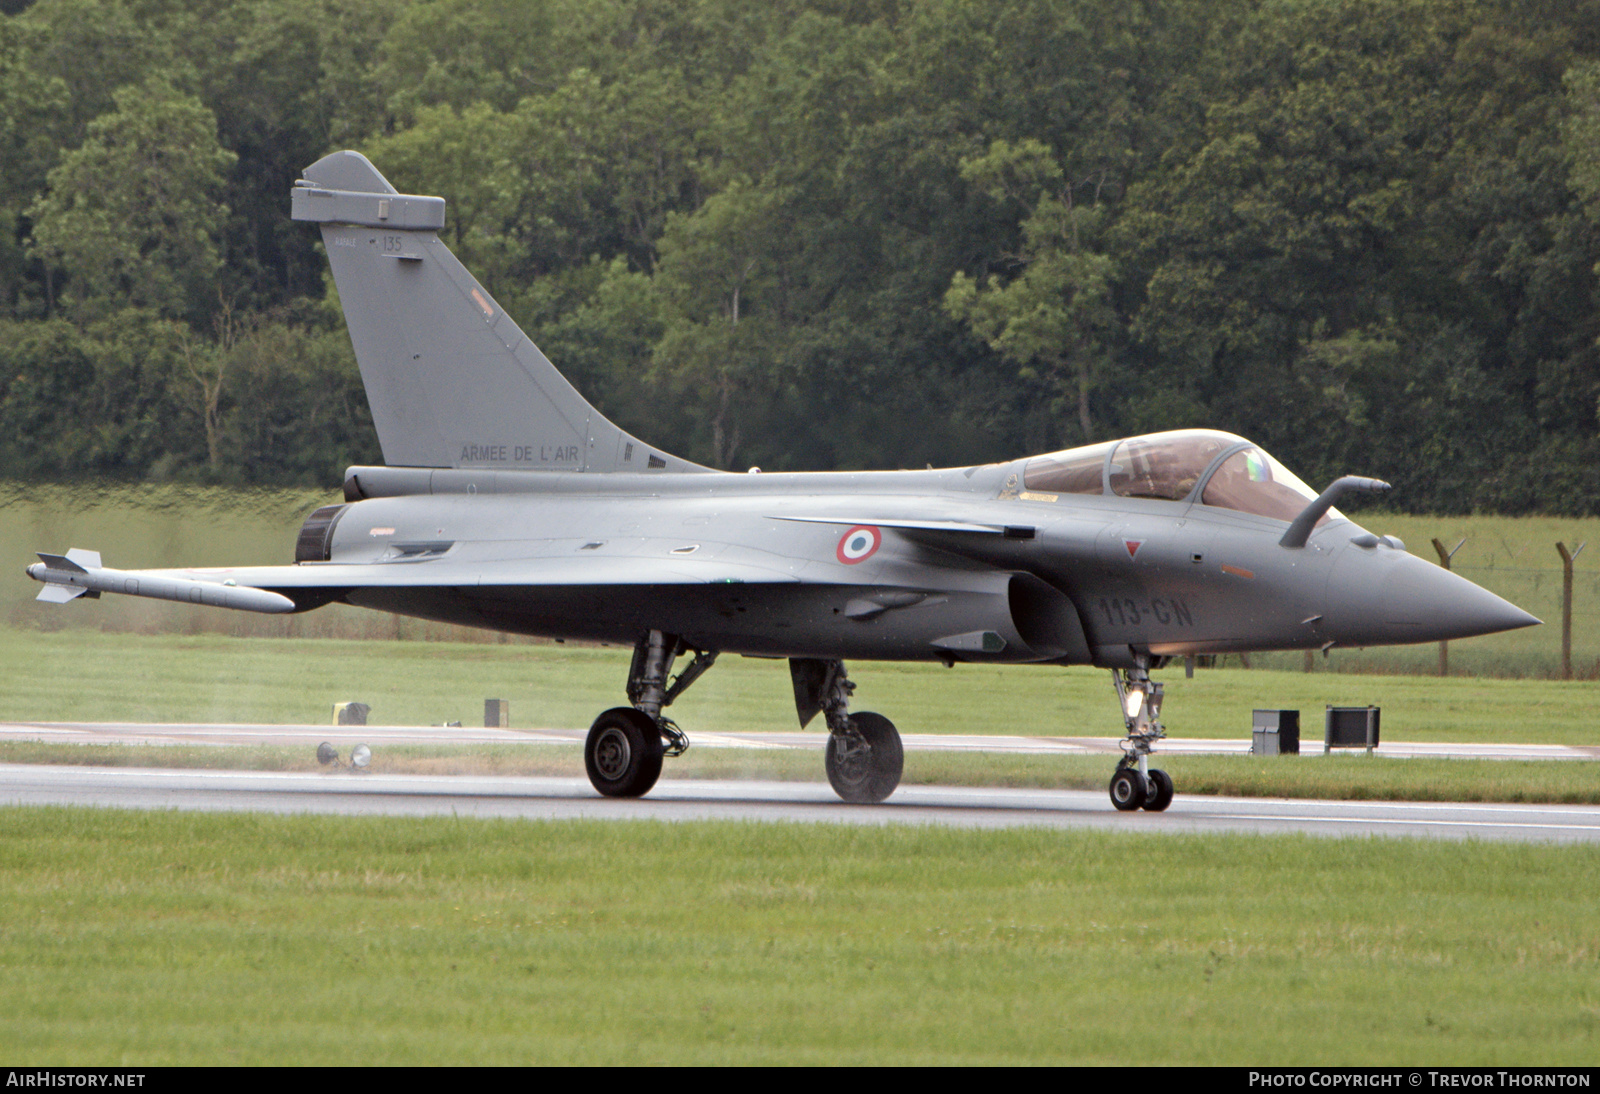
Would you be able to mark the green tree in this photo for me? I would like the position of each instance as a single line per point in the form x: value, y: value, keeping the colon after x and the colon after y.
x: 294, y: 410
x: 94, y: 401
x: 600, y: 323
x: 30, y: 103
x: 717, y: 283
x: 47, y: 370
x: 1055, y: 318
x: 132, y: 215
x: 1364, y: 183
x: 95, y: 47
x: 288, y: 80
x: 1581, y: 132
x: 461, y: 52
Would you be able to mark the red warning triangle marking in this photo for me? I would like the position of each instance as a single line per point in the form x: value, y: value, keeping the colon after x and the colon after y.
x: 1133, y: 546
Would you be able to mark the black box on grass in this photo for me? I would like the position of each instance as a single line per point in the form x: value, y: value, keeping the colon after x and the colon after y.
x: 1275, y: 733
x: 1351, y: 727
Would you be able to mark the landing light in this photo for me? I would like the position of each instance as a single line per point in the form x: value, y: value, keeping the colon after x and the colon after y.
x: 1135, y: 701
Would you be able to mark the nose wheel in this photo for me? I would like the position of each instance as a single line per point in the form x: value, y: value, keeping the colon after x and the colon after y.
x: 1131, y: 791
x: 1160, y: 795
x: 1135, y: 784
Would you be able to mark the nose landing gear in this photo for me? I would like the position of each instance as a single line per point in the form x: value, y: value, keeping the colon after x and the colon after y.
x: 1135, y: 784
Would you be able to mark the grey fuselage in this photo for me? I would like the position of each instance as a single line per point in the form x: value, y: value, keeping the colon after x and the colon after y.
x: 1102, y: 580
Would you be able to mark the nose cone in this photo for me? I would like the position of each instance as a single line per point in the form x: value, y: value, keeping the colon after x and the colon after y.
x: 1381, y: 596
x: 1447, y: 605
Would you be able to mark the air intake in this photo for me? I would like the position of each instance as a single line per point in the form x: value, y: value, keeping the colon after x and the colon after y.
x: 316, y: 535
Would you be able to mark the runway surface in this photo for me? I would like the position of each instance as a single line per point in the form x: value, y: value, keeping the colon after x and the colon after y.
x: 344, y: 736
x: 346, y: 793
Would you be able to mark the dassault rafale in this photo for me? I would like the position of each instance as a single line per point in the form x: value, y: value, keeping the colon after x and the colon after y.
x: 508, y: 502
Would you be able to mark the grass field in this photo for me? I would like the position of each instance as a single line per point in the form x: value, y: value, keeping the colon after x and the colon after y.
x: 168, y: 525
x: 82, y: 675
x: 177, y: 938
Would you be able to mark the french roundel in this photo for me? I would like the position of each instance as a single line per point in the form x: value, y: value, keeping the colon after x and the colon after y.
x: 858, y: 544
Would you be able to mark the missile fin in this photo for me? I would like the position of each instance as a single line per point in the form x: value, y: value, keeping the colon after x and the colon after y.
x: 64, y: 562
x: 89, y: 560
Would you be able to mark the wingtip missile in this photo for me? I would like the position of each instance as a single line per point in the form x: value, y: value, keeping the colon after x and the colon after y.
x: 79, y: 573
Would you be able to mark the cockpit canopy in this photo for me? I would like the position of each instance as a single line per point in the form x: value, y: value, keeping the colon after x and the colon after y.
x: 1204, y: 465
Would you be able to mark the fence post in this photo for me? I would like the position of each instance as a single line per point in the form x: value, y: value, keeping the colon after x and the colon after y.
x: 1567, y: 558
x: 1444, y: 560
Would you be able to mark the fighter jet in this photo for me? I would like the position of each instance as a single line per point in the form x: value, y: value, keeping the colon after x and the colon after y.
x: 508, y: 502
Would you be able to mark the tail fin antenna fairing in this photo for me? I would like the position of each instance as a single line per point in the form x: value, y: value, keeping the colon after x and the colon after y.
x: 452, y: 380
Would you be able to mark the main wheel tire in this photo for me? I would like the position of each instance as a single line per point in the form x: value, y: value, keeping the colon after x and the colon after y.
x: 1160, y: 791
x: 623, y: 753
x: 867, y: 776
x: 1128, y: 789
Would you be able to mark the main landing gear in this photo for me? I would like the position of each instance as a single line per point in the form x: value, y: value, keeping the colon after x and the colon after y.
x: 864, y: 756
x: 626, y: 745
x: 1135, y: 784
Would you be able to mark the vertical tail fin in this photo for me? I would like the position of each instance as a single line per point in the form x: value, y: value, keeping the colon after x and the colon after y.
x: 452, y: 380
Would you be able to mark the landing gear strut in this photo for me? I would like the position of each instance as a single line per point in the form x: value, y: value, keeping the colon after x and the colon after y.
x: 1135, y: 784
x: 864, y: 757
x: 626, y: 745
